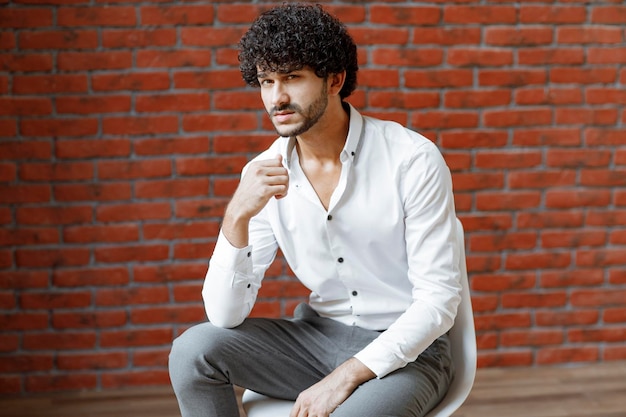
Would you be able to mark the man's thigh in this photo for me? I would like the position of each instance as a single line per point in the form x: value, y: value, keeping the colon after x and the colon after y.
x: 408, y: 392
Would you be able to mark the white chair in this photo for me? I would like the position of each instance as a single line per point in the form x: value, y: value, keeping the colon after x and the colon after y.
x: 463, y: 343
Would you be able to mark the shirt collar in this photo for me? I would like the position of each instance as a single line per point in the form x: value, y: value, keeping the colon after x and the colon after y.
x: 350, y: 148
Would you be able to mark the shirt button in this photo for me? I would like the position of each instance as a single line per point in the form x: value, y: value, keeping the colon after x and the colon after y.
x: 330, y: 217
x: 249, y: 254
x: 355, y: 293
x: 340, y: 260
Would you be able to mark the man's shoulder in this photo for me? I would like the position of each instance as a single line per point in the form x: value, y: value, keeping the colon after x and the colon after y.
x: 396, y: 134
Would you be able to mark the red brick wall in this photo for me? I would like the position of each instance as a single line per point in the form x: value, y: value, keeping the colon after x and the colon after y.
x: 124, y: 124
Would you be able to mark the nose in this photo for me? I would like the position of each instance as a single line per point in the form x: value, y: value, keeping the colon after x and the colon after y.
x: 279, y: 95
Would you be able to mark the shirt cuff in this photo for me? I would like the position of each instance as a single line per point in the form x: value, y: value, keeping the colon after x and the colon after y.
x: 378, y: 360
x: 228, y: 257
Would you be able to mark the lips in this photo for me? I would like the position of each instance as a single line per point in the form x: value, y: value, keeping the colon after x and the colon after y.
x: 282, y: 116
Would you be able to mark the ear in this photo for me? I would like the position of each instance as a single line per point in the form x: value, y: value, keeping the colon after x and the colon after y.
x: 335, y: 83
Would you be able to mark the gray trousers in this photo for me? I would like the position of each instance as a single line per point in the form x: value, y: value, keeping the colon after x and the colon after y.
x: 281, y: 358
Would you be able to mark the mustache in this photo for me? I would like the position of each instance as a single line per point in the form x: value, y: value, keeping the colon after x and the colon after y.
x: 286, y: 107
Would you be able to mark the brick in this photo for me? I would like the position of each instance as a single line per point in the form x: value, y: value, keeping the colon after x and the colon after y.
x: 91, y: 277
x: 174, y: 231
x: 586, y: 116
x: 489, y: 222
x: 438, y: 79
x: 483, y: 263
x: 605, y: 96
x: 608, y: 55
x: 7, y: 40
x: 600, y: 257
x: 246, y: 13
x: 615, y: 315
x: 24, y: 18
x: 575, y: 75
x: 551, y: 56
x: 541, y: 179
x: 177, y: 15
x: 501, y: 321
x: 59, y: 171
x: 22, y: 363
x: 170, y: 272
x: 53, y: 215
x: 172, y: 102
x: 466, y: 181
x: 22, y: 322
x: 474, y: 99
x: 511, y: 78
x: 17, y: 280
x: 532, y: 338
x: 177, y: 188
x: 571, y: 278
x: 603, y: 177
x: 560, y: 318
x: 210, y: 36
x: 508, y: 160
x: 379, y: 36
x: 547, y: 137
x: 138, y: 38
x: 25, y: 106
x: 479, y: 14
x: 58, y: 127
x: 208, y: 79
x: 446, y: 36
x: 503, y: 282
x: 556, y: 355
x: 473, y: 139
x: 397, y: 16
x: 220, y: 122
x: 108, y: 233
x: 51, y: 258
x: 522, y: 117
x: 88, y: 61
x: 379, y: 78
x: 546, y: 260
x: 550, y: 219
x: 28, y: 236
x: 577, y: 158
x: 24, y: 193
x: 407, y: 57
x: 444, y: 120
x: 173, y: 59
x: 93, y: 104
x: 48, y: 383
x: 130, y: 169
x: 408, y: 100
x: 137, y: 81
x: 151, y: 358
x: 135, y: 378
x: 595, y: 136
x: 522, y: 36
x: 135, y: 338
x: 92, y: 192
x: 59, y: 341
x: 104, y: 360
x: 56, y: 300
x: 96, y: 16
x: 481, y: 57
x: 608, y: 14
x: 577, y: 198
x: 132, y: 212
x: 59, y: 39
x: 132, y: 296
x: 89, y: 320
x: 169, y: 146
x: 552, y: 96
x: 8, y: 128
x: 458, y: 162
x: 534, y: 300
x: 213, y: 207
x: 517, y: 358
x: 45, y: 84
x: 552, y: 14
x: 8, y: 173
x: 26, y: 62
x: 616, y: 334
x: 167, y: 315
x: 144, y: 125
x: 497, y: 242
x: 88, y: 149
x: 589, y: 35
x: 237, y: 100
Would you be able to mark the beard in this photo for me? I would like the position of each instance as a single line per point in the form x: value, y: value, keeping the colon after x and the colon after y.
x: 311, y: 115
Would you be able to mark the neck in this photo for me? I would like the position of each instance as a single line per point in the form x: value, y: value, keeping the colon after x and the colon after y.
x: 326, y: 140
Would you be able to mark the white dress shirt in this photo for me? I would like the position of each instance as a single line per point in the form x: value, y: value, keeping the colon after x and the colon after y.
x: 382, y: 257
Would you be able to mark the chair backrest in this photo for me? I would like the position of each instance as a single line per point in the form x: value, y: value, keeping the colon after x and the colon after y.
x: 462, y: 341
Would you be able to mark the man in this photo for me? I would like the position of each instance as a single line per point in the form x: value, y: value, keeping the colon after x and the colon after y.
x: 363, y: 212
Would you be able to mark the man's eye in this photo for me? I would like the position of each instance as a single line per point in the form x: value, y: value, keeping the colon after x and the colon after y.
x: 266, y: 82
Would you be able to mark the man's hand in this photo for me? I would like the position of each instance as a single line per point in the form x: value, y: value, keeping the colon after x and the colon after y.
x: 262, y: 181
x: 323, y: 398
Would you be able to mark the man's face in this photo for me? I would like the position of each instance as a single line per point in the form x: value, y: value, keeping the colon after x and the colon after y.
x: 295, y: 100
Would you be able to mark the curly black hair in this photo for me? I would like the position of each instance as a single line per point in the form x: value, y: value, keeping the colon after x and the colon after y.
x: 292, y: 36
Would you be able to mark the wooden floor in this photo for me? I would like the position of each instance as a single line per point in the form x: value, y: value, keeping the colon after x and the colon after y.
x: 576, y: 391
